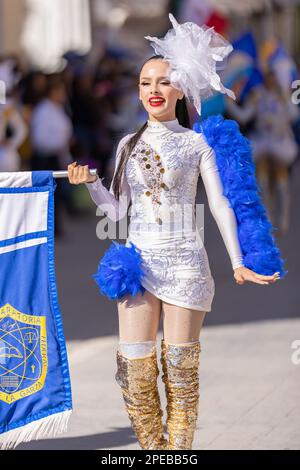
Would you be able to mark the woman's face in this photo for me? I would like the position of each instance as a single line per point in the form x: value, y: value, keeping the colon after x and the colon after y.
x: 154, y: 83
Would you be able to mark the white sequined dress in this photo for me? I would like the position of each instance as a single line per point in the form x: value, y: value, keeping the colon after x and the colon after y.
x: 160, y: 180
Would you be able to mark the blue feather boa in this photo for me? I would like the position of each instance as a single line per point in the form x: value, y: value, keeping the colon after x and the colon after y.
x: 120, y: 271
x: 237, y: 172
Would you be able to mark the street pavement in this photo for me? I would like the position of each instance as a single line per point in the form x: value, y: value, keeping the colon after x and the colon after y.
x: 249, y: 378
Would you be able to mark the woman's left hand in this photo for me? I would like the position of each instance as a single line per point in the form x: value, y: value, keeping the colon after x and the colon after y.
x: 243, y: 274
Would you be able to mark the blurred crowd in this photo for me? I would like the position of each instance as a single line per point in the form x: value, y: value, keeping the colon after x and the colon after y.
x: 77, y: 113
x: 271, y: 121
x: 49, y: 120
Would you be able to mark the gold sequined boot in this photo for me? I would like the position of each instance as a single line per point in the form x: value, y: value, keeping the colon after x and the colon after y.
x: 138, y: 380
x: 180, y: 365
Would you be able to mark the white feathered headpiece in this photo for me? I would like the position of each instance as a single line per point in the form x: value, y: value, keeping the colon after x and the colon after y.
x: 193, y: 53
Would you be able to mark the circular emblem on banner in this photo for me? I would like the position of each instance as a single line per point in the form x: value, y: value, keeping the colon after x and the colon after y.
x: 23, y: 354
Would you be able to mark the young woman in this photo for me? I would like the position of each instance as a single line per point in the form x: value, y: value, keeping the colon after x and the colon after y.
x: 157, y: 168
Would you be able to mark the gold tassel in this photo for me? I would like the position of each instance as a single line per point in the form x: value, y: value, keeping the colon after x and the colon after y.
x: 138, y: 379
x: 180, y: 365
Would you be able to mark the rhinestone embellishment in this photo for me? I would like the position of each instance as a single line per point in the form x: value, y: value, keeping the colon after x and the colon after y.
x: 153, y: 171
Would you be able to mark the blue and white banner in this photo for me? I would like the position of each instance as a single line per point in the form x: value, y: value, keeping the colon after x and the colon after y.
x: 35, y: 389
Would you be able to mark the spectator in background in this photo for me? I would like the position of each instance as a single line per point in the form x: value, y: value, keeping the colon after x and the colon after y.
x: 130, y: 115
x: 273, y: 142
x: 32, y: 90
x: 85, y: 108
x: 51, y: 133
x: 34, y: 87
x: 13, y: 129
x: 109, y: 87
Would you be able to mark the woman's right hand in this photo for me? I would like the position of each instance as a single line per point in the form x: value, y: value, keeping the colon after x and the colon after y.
x: 80, y: 174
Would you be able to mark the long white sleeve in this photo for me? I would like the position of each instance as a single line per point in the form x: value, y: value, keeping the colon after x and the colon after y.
x: 219, y: 205
x: 105, y: 199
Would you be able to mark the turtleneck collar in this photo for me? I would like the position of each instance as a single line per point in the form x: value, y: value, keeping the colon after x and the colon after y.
x: 172, y: 125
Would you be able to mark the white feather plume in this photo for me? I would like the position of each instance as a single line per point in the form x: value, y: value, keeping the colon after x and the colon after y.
x: 195, y: 54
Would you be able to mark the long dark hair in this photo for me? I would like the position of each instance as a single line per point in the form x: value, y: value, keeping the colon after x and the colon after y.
x: 182, y: 115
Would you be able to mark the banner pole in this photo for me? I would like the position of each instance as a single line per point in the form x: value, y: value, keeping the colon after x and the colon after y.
x: 64, y: 173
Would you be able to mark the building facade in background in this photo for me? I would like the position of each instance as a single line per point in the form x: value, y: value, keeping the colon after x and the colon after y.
x: 42, y: 30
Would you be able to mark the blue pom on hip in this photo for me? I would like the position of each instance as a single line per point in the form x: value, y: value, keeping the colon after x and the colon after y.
x: 120, y: 271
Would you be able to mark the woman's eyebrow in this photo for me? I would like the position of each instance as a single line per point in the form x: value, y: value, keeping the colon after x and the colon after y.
x: 149, y: 78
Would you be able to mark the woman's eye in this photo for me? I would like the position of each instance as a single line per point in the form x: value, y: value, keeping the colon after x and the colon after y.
x: 163, y: 83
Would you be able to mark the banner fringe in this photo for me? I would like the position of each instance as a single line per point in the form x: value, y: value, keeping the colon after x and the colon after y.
x: 50, y: 426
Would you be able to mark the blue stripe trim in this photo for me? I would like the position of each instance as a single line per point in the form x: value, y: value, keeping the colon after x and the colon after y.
x: 41, y: 178
x: 31, y: 418
x: 67, y: 404
x: 22, y: 238
x: 41, y: 189
x: 54, y: 297
x: 40, y: 181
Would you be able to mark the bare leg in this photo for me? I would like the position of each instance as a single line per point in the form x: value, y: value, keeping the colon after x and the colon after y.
x: 181, y: 325
x: 139, y: 318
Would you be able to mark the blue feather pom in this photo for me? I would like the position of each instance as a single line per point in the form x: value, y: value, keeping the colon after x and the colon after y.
x: 237, y: 171
x: 120, y: 272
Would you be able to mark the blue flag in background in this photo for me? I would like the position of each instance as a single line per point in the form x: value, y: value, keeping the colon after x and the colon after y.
x: 246, y: 45
x: 242, y: 68
x: 35, y: 390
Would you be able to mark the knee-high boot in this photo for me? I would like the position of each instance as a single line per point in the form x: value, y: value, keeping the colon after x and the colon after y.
x: 180, y: 364
x: 137, y: 378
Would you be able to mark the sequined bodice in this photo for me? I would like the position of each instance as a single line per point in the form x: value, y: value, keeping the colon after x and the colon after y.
x: 163, y: 180
x: 161, y: 177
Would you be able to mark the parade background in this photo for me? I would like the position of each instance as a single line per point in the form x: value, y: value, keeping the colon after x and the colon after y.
x: 70, y: 72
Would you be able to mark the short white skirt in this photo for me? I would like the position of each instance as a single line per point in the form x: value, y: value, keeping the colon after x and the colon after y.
x: 176, y: 268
